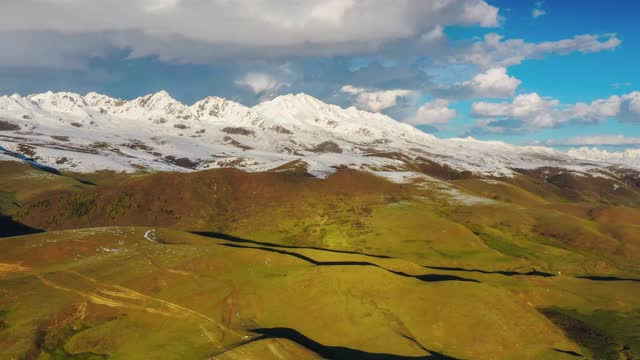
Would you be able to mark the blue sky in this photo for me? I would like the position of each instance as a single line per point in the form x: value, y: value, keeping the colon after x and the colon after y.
x: 489, y: 69
x: 575, y: 77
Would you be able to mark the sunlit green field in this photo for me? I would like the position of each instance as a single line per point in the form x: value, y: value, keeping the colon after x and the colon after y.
x: 227, y: 265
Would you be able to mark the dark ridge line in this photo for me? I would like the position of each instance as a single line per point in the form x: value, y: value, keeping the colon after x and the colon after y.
x: 415, y: 341
x: 606, y: 278
x: 85, y: 182
x: 338, y: 352
x: 499, y: 272
x: 425, y: 277
x: 34, y: 164
x: 232, y: 238
x: 534, y: 272
x: 39, y: 166
x: 531, y: 273
x: 569, y: 352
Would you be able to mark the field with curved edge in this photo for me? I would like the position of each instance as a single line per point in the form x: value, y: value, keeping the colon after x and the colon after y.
x: 224, y: 264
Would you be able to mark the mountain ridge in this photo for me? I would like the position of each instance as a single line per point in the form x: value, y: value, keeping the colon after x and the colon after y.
x: 98, y: 132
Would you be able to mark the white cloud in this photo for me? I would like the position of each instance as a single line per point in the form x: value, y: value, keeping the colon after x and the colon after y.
x: 531, y: 111
x: 595, y: 112
x: 536, y: 13
x: 493, y: 83
x: 530, y: 108
x: 160, y: 5
x: 375, y: 100
x: 537, y: 10
x: 630, y: 108
x: 42, y: 50
x: 193, y: 31
x: 435, y: 34
x: 594, y: 140
x: 261, y: 84
x: 493, y: 51
x: 332, y: 11
x: 433, y: 113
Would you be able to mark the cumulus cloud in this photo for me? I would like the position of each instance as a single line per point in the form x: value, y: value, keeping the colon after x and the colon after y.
x: 242, y: 41
x: 493, y: 83
x: 375, y: 100
x: 261, y: 84
x: 630, y: 108
x: 433, y: 113
x: 529, y: 112
x: 530, y: 108
x: 596, y: 140
x: 494, y: 51
x: 186, y: 30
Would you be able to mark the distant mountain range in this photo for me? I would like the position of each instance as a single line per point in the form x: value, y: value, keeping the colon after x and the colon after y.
x: 156, y: 132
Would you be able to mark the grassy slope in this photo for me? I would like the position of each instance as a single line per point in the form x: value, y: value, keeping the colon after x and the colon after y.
x: 204, y: 290
x: 366, y: 308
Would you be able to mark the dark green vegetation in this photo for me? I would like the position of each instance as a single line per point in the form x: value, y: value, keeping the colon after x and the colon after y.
x: 603, y: 334
x: 228, y: 265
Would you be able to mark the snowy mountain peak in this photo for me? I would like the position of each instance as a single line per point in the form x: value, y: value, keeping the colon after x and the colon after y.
x: 299, y: 102
x: 218, y: 109
x: 299, y: 98
x: 159, y: 100
x: 626, y: 157
x: 212, y: 106
x: 59, y: 101
x: 95, y: 132
x: 102, y: 101
x: 158, y: 107
x: 17, y: 104
x: 211, y: 100
x: 305, y: 111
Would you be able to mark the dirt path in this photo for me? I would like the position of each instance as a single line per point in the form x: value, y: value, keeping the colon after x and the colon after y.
x: 123, y: 297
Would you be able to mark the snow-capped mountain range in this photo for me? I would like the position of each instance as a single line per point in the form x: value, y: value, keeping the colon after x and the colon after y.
x: 156, y: 132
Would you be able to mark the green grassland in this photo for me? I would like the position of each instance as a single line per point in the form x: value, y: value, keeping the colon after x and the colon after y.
x: 223, y: 264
